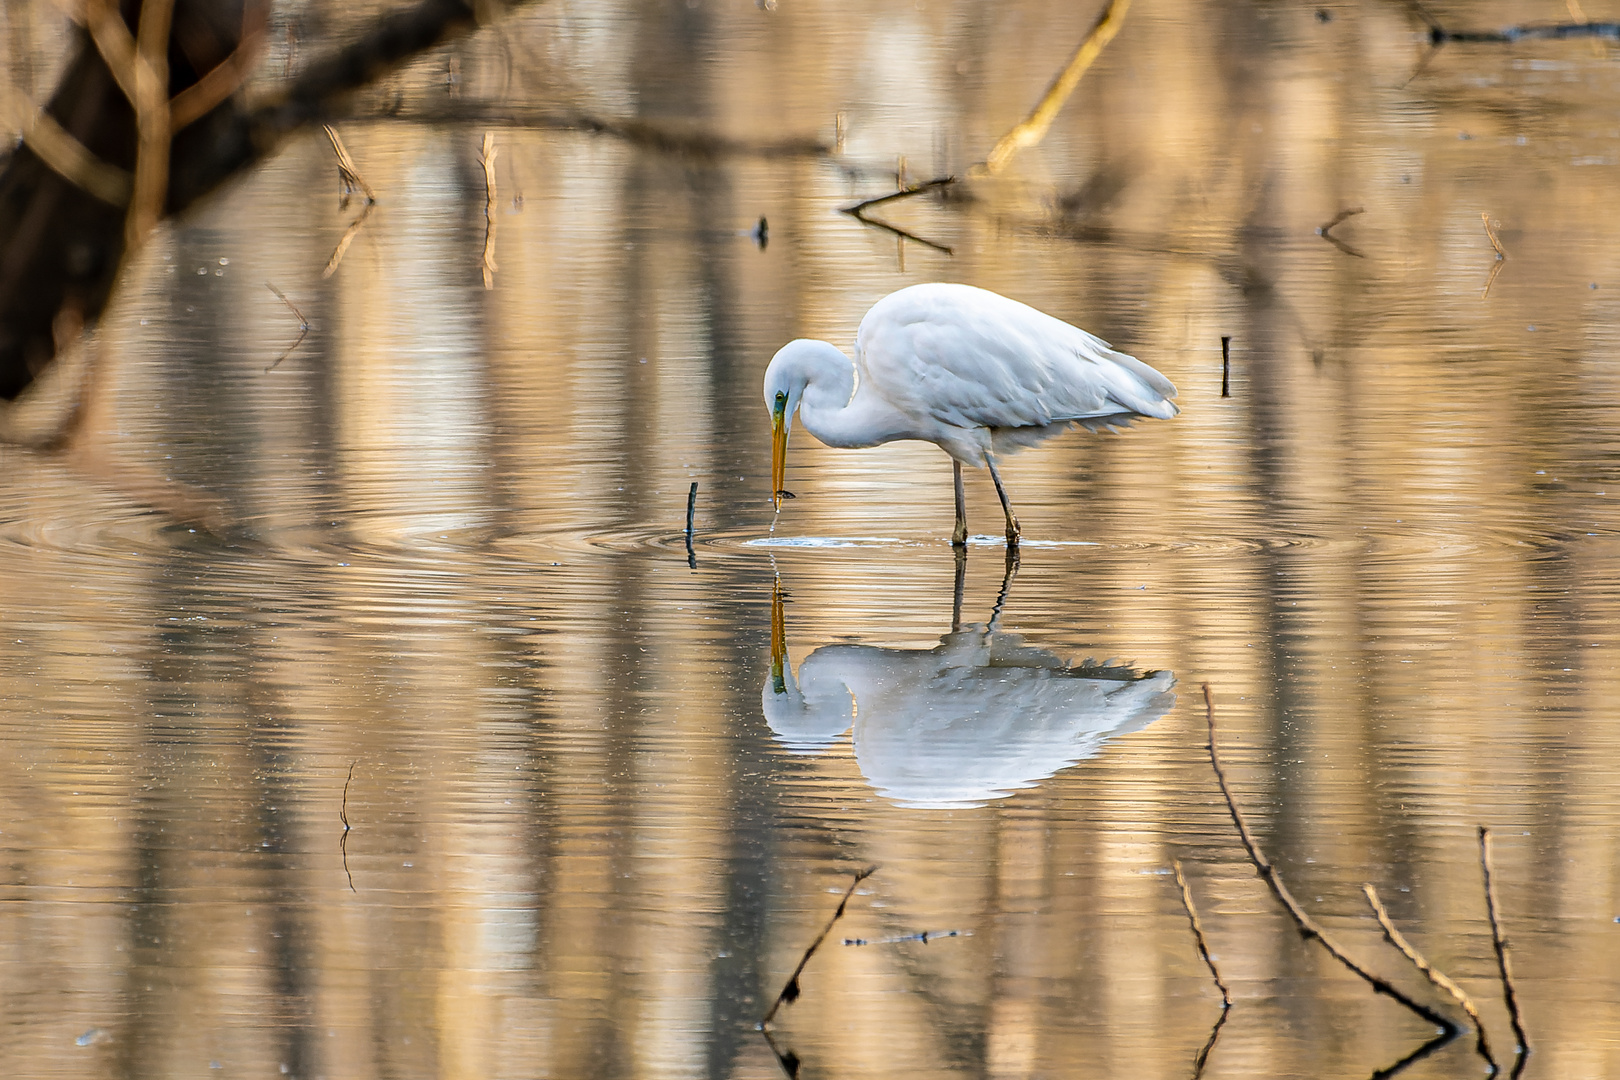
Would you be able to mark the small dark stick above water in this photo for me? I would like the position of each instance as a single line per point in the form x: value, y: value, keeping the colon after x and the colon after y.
x: 691, y: 507
x: 1226, y: 365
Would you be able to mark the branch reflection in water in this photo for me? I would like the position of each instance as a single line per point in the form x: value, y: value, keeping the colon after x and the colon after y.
x: 973, y: 719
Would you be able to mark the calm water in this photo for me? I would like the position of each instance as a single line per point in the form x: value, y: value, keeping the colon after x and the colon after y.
x: 591, y: 827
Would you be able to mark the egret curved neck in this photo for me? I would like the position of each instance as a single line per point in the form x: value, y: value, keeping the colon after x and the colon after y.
x: 838, y: 411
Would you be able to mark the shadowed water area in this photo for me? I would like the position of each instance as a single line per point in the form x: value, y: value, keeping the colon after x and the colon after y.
x: 439, y: 757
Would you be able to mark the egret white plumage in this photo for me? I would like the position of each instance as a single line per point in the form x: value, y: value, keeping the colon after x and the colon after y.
x: 973, y: 372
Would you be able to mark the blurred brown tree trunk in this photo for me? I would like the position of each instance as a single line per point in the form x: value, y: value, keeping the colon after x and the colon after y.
x: 61, y: 247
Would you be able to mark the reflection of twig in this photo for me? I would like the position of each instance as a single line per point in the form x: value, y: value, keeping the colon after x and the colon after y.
x: 905, y: 192
x: 488, y: 158
x: 902, y: 233
x: 1209, y: 962
x: 786, y: 1058
x: 303, y: 326
x: 1415, y: 1056
x: 1434, y: 975
x: 1032, y: 129
x: 1326, y: 231
x: 348, y: 238
x: 224, y: 79
x: 348, y: 171
x: 1500, y: 944
x: 67, y: 156
x: 1307, y: 927
x: 1198, y: 935
x: 343, y: 813
x: 790, y: 991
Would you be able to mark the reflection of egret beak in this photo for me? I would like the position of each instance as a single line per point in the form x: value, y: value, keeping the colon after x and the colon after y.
x: 778, y: 641
x: 779, y: 437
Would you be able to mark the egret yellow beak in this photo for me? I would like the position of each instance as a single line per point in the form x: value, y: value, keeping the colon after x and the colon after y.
x: 779, y: 438
x: 778, y: 641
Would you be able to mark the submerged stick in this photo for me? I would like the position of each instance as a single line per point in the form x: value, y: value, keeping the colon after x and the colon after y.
x: 346, y: 239
x: 790, y: 991
x: 488, y: 158
x: 1499, y: 942
x: 1307, y: 927
x: 1433, y: 974
x: 1032, y: 129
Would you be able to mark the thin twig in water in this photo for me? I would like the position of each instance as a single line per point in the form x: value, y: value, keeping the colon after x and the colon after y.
x: 1433, y: 974
x: 303, y: 327
x: 348, y: 171
x: 343, y: 813
x: 1032, y: 129
x: 691, y: 510
x: 1307, y: 927
x: 1209, y: 962
x: 1198, y: 935
x: 1414, y: 1057
x: 790, y: 991
x: 488, y: 158
x: 1499, y: 942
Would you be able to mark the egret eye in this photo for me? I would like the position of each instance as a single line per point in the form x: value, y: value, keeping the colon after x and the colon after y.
x: 781, y: 399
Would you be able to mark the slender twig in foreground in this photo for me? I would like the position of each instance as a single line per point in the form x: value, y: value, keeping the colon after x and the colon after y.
x: 691, y: 510
x: 790, y: 991
x: 1032, y: 129
x: 303, y: 326
x: 1433, y: 974
x: 1198, y: 935
x: 343, y: 813
x: 1307, y: 927
x: 1499, y: 942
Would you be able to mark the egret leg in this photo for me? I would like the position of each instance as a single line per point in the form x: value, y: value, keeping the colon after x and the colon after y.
x: 959, y: 537
x: 1012, y: 522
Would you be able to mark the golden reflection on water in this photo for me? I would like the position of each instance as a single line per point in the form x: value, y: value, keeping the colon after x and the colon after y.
x: 455, y: 566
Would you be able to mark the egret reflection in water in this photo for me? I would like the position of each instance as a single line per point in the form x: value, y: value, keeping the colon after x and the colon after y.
x: 975, y: 718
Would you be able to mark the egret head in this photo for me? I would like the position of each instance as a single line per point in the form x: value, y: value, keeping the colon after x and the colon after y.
x: 785, y: 380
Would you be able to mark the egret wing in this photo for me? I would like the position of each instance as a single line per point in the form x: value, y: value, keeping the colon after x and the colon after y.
x: 966, y: 357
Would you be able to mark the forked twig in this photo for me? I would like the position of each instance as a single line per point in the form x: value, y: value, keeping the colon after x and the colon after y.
x: 1433, y: 974
x: 1326, y: 231
x: 905, y: 192
x: 303, y: 329
x: 488, y: 158
x: 1307, y: 927
x: 790, y: 991
x: 1499, y: 942
x: 1032, y: 129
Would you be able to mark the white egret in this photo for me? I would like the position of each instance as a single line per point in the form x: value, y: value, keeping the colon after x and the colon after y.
x: 976, y: 374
